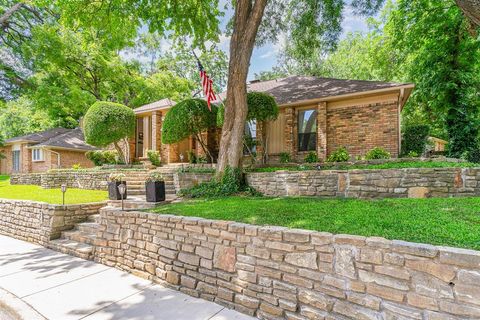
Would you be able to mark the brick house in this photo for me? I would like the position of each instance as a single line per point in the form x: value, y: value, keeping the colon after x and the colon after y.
x: 316, y: 114
x: 42, y: 151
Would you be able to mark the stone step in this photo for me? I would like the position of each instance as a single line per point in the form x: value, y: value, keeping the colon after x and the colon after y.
x: 71, y: 247
x: 94, y: 218
x: 79, y: 236
x: 131, y: 205
x: 87, y: 227
x: 136, y: 193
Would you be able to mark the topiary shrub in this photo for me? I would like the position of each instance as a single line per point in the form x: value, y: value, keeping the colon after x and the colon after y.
x: 311, y: 157
x: 187, y: 118
x: 377, y: 153
x: 339, y: 155
x: 154, y: 157
x: 261, y: 107
x: 108, y: 123
x: 285, y: 157
x: 415, y: 138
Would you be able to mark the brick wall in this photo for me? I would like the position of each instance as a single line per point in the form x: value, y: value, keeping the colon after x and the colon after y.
x: 40, y: 222
x: 363, y: 127
x: 280, y: 273
x: 386, y: 183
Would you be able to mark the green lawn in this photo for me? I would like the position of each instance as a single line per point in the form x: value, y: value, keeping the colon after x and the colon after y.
x: 54, y: 196
x: 448, y: 221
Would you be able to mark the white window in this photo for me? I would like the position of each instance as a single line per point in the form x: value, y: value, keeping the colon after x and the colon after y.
x: 37, y: 154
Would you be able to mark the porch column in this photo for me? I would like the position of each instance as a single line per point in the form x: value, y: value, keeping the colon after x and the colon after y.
x: 156, y: 130
x: 322, y: 131
x: 289, y: 132
x: 163, y: 148
x: 146, y: 135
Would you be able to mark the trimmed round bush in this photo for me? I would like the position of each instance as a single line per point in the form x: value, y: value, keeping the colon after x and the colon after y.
x: 261, y: 107
x: 187, y: 118
x: 108, y: 122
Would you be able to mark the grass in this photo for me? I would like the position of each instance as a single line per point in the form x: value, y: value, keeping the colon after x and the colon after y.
x: 442, y: 221
x: 387, y: 165
x: 53, y: 196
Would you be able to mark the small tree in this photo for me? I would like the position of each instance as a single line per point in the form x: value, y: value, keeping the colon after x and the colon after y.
x: 262, y: 107
x: 187, y: 118
x: 107, y: 123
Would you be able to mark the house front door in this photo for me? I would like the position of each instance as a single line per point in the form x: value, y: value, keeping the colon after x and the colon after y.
x: 16, y: 160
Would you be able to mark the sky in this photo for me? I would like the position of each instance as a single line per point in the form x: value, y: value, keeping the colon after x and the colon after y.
x: 265, y: 57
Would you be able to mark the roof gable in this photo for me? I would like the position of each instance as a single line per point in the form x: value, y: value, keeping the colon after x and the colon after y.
x: 157, y: 105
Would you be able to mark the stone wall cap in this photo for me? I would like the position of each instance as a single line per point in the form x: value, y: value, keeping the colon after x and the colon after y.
x: 349, y: 239
x: 416, y: 249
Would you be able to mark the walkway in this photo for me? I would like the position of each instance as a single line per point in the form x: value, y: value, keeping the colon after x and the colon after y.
x: 62, y: 287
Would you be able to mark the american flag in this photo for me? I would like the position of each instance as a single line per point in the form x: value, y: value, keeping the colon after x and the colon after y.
x: 207, y: 85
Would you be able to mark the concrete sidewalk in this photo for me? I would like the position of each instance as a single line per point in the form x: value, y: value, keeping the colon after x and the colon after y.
x: 62, y: 287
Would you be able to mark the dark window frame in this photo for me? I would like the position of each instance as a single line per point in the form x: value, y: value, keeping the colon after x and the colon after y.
x: 307, y: 140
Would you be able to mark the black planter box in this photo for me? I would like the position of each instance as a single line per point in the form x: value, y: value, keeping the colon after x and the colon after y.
x: 113, y: 193
x: 155, y: 191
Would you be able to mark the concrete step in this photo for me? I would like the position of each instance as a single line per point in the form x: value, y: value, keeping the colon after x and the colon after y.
x: 71, y: 247
x: 79, y: 236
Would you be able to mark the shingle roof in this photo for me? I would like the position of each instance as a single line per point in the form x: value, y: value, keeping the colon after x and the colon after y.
x: 73, y: 139
x: 157, y: 105
x: 39, y: 136
x: 301, y: 88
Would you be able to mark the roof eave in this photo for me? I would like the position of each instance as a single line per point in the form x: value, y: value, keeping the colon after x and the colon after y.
x: 62, y: 148
x: 348, y: 95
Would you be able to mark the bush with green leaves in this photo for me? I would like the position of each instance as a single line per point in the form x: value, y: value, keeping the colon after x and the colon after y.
x: 154, y: 157
x: 285, y: 157
x: 99, y: 157
x: 339, y: 155
x: 415, y: 138
x: 261, y: 107
x: 412, y: 154
x: 231, y: 183
x: 311, y: 157
x: 186, y: 118
x: 107, y: 123
x: 473, y: 156
x: 377, y: 153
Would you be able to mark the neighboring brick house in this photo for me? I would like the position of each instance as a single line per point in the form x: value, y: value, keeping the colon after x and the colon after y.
x: 316, y: 114
x: 42, y: 151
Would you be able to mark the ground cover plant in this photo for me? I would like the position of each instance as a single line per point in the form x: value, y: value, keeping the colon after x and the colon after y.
x: 387, y: 165
x: 53, y: 196
x: 440, y: 221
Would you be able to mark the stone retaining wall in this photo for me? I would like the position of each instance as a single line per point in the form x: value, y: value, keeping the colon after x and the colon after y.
x: 41, y: 222
x: 93, y: 180
x: 189, y: 179
x: 280, y: 273
x: 384, y: 183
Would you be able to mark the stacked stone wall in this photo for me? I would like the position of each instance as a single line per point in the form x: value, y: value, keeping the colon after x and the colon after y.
x: 92, y: 180
x: 280, y: 273
x: 385, y: 183
x: 41, y: 222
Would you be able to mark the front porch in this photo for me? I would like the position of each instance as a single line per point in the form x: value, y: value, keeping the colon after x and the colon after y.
x: 148, y: 136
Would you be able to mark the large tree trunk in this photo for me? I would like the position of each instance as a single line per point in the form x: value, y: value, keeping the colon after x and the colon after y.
x: 4, y: 19
x: 471, y: 9
x: 247, y: 19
